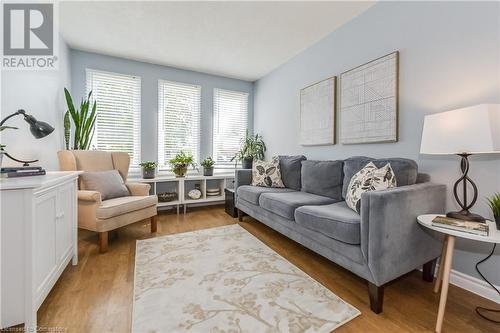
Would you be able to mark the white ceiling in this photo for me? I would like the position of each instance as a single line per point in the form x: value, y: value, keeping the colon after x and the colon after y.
x: 244, y: 40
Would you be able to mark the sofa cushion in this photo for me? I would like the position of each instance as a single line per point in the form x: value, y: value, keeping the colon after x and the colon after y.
x: 290, y: 170
x: 370, y: 178
x: 336, y: 221
x: 284, y: 204
x: 267, y: 174
x: 118, y: 206
x: 252, y: 193
x: 322, y: 178
x: 109, y: 183
x: 406, y: 170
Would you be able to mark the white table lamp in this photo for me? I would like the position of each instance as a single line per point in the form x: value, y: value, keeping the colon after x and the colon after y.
x: 463, y: 132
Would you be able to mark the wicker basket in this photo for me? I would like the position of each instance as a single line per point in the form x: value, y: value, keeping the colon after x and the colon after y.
x: 167, y: 196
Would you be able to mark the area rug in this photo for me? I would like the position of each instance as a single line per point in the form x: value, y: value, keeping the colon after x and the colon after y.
x: 225, y: 280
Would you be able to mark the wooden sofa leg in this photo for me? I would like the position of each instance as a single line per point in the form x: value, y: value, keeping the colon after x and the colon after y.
x: 154, y: 223
x: 428, y: 270
x: 240, y: 215
x: 103, y: 242
x: 376, y: 297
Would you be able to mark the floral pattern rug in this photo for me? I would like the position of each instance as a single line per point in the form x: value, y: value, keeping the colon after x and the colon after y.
x: 226, y: 280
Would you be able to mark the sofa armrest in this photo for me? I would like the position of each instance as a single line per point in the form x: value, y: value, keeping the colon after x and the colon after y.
x: 242, y: 177
x: 138, y: 189
x: 392, y: 241
x: 92, y: 196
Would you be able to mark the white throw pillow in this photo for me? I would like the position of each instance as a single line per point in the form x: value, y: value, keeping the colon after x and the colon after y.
x: 267, y: 174
x: 370, y: 178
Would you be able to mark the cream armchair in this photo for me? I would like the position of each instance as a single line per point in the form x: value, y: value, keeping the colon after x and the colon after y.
x: 105, y: 215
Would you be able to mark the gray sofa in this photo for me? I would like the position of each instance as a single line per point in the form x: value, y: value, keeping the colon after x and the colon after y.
x: 380, y: 244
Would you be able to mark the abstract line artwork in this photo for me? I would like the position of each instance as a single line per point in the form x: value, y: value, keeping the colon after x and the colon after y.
x: 369, y: 102
x: 317, y: 113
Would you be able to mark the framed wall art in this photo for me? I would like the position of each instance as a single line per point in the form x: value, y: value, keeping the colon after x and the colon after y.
x: 317, y: 113
x: 369, y: 102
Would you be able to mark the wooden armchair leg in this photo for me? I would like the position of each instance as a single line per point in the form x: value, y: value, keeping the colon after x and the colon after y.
x: 103, y: 242
x: 240, y: 215
x: 154, y: 223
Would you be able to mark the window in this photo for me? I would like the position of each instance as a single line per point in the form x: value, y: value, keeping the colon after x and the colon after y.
x: 118, y: 123
x: 178, y: 120
x: 230, y: 124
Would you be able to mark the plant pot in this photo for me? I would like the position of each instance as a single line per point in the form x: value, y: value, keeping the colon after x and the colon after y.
x: 497, y: 221
x: 208, y: 171
x: 246, y: 163
x: 180, y: 170
x: 148, y: 173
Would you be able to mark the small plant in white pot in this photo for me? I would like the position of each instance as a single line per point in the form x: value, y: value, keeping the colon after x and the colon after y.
x: 2, y: 147
x: 208, y: 166
x: 148, y: 169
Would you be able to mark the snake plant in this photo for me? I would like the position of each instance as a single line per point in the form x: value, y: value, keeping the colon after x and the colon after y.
x: 67, y: 129
x: 83, y: 120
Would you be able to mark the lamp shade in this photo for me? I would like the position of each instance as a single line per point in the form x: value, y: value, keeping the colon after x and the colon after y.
x: 38, y: 129
x: 471, y: 130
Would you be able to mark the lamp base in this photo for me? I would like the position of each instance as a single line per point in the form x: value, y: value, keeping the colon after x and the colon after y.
x: 466, y: 216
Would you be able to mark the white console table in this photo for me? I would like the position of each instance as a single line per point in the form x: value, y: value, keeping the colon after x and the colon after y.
x: 182, y: 185
x: 38, y: 238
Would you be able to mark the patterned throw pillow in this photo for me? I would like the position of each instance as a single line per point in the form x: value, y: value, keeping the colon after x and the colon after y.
x: 370, y: 178
x: 267, y: 174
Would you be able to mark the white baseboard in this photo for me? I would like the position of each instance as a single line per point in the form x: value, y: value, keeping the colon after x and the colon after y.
x: 473, y: 284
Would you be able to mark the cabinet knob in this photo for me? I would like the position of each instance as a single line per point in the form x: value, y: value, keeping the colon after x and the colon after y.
x: 60, y: 215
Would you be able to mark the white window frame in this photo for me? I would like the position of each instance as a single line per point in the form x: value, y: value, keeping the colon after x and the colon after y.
x: 163, y: 160
x: 136, y: 124
x: 216, y: 124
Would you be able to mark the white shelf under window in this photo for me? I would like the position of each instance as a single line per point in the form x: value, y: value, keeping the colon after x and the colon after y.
x: 182, y: 185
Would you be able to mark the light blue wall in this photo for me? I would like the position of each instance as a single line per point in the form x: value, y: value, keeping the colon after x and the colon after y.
x: 150, y: 74
x: 449, y: 58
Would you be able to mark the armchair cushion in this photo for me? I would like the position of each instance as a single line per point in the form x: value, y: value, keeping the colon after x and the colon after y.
x: 109, y: 183
x: 118, y: 206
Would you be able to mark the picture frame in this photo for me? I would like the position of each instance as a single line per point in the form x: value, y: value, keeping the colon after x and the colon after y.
x: 318, y: 108
x: 369, y: 102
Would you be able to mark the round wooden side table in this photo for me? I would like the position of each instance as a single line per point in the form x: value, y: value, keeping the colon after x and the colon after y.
x: 447, y: 256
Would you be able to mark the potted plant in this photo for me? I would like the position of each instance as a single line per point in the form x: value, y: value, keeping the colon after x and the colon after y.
x: 494, y: 203
x: 83, y: 121
x: 208, y: 166
x: 2, y: 147
x: 148, y: 169
x: 181, y: 162
x: 252, y: 147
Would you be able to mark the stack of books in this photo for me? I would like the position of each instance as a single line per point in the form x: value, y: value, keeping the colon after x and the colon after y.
x: 11, y: 172
x: 476, y: 228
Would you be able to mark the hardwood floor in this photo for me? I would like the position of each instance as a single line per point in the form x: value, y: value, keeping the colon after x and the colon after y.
x: 96, y: 295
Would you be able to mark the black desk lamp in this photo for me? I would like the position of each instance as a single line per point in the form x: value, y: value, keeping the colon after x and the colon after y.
x: 38, y: 129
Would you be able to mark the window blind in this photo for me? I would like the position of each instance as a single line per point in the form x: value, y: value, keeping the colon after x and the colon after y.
x: 178, y: 120
x: 230, y: 124
x: 118, y: 123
